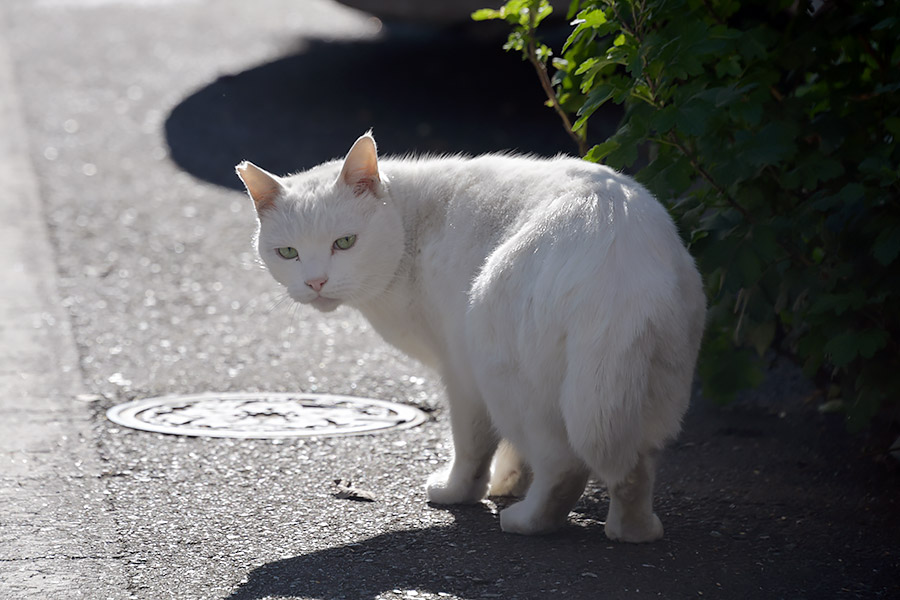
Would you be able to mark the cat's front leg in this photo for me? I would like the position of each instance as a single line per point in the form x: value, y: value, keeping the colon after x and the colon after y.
x: 474, y: 442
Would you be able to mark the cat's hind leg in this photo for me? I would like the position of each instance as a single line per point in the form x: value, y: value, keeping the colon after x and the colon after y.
x: 510, y: 475
x: 474, y: 443
x: 604, y: 408
x: 631, y: 517
x: 559, y: 478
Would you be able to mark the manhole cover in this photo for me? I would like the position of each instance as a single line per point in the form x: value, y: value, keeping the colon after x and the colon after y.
x: 239, y: 415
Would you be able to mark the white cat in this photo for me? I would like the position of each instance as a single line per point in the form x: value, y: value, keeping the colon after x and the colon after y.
x: 554, y: 297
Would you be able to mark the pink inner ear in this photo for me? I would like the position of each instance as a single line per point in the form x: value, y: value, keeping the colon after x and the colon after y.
x: 265, y: 201
x: 363, y: 185
x: 360, y: 170
x: 263, y: 187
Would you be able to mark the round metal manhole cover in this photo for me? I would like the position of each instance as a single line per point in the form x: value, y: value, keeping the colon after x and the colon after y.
x: 267, y: 416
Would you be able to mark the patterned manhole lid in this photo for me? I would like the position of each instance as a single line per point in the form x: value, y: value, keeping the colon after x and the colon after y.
x: 249, y: 415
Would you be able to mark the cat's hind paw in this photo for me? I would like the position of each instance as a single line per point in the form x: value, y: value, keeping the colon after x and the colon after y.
x: 443, y: 488
x: 521, y: 518
x: 634, y: 531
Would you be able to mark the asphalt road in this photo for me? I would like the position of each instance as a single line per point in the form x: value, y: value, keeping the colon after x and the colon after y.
x: 128, y: 273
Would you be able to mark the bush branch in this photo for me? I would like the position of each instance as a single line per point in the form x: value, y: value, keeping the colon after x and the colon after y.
x: 544, y: 78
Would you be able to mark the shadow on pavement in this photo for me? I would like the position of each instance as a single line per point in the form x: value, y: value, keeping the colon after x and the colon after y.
x: 472, y: 559
x: 421, y: 93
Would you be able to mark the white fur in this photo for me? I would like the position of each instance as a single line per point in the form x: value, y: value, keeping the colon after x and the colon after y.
x: 554, y: 297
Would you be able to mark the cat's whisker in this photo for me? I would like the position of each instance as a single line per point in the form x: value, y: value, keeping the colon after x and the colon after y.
x: 278, y: 302
x: 293, y: 311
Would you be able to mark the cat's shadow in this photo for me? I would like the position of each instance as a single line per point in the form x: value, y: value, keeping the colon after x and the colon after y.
x: 470, y: 559
x: 421, y: 91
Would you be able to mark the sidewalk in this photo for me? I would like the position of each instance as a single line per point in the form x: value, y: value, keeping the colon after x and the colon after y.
x: 57, y: 538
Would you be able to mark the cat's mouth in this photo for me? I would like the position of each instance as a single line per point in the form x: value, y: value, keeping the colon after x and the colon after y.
x: 324, y: 304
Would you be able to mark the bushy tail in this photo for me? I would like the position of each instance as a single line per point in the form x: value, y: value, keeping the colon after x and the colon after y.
x: 603, y: 399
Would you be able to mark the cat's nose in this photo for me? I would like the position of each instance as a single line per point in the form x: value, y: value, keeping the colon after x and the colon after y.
x: 316, y: 283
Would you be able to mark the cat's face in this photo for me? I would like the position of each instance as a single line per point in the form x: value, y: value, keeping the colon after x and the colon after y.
x: 329, y: 238
x: 331, y: 247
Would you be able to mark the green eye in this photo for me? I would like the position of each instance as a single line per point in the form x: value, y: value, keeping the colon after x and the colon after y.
x: 344, y: 243
x: 287, y: 252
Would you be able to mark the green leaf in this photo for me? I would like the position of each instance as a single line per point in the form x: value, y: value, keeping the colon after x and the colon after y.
x: 764, y: 238
x: 748, y: 266
x: 871, y: 341
x: 587, y: 20
x: 865, y: 406
x: 843, y: 348
x: 693, y: 118
x: 587, y: 65
x: 832, y: 406
x: 667, y: 178
x: 878, y: 168
x: 726, y: 95
x: 486, y: 14
x: 664, y: 120
x: 851, y: 192
x: 755, y: 42
x: 598, y: 96
x: 887, y: 245
x: 594, y: 17
x: 816, y: 168
x: 838, y: 303
x: 760, y: 336
x: 892, y: 124
x: 748, y: 111
x: 600, y: 151
x: 725, y: 370
x: 516, y: 41
x: 818, y: 255
x: 543, y: 53
x: 729, y: 66
x: 771, y: 145
x: 888, y: 23
x: 544, y: 10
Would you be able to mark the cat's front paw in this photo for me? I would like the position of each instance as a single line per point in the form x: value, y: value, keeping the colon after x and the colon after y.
x: 444, y: 488
x: 635, y: 531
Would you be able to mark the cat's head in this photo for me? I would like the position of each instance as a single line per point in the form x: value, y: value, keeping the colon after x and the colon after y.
x: 330, y: 235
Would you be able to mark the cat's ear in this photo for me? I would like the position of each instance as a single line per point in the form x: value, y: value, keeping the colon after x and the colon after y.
x: 360, y: 169
x: 262, y: 186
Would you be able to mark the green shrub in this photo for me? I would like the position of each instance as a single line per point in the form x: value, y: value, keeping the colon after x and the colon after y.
x: 768, y: 128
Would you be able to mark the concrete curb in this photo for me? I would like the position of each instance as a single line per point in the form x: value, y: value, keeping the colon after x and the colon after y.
x: 57, y: 536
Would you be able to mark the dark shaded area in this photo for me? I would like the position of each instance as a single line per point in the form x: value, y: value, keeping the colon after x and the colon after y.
x: 470, y: 560
x: 421, y: 91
